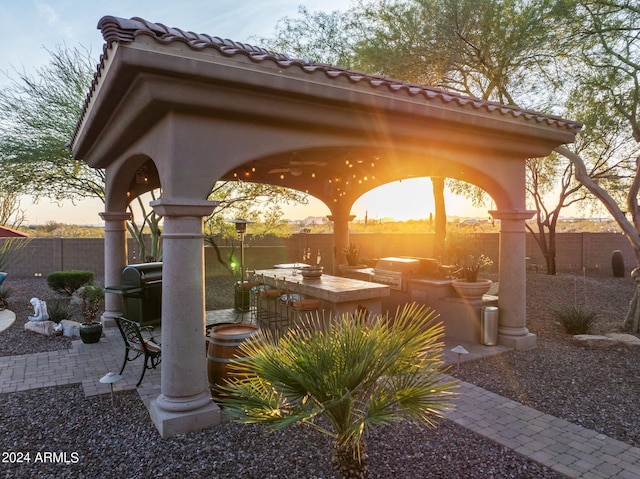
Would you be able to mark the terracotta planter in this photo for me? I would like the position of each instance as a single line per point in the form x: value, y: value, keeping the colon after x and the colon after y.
x: 471, y: 290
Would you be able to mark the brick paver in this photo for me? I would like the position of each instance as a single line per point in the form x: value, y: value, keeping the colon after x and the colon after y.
x: 567, y: 448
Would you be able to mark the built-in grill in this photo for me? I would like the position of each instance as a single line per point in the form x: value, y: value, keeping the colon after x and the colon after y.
x: 394, y: 272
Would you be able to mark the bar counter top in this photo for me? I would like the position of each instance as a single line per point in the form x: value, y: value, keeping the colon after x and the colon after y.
x: 329, y: 288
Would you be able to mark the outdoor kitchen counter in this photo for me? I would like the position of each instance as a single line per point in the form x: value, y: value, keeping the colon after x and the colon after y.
x: 337, y: 295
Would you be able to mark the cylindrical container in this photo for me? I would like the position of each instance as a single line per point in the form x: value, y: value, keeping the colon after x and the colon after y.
x: 617, y: 264
x: 241, y: 303
x: 489, y: 325
x: 224, y: 342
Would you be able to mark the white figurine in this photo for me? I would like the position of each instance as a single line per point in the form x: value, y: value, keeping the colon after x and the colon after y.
x: 39, y: 310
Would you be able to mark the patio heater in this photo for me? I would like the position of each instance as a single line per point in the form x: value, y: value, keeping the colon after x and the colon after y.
x: 241, y: 299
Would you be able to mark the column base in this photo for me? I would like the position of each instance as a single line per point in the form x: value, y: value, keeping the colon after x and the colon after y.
x: 108, y: 319
x: 171, y: 423
x: 519, y: 343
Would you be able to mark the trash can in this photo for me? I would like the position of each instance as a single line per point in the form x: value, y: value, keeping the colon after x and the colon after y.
x: 489, y: 325
x: 141, y: 291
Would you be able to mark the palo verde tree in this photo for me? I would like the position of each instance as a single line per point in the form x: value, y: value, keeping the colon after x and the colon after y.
x: 38, y: 116
x: 11, y: 214
x: 505, y: 51
x: 604, y: 37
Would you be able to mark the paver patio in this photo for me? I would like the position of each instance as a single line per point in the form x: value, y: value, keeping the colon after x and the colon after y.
x: 569, y: 449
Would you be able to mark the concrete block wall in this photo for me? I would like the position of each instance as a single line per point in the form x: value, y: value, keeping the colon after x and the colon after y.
x: 575, y: 251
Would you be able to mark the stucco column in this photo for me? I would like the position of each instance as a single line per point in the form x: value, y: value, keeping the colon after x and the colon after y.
x: 115, y: 259
x: 512, y: 296
x: 340, y: 238
x: 185, y: 401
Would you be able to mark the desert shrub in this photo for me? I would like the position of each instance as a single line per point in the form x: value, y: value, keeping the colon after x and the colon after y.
x: 576, y: 319
x: 59, y: 310
x: 67, y: 282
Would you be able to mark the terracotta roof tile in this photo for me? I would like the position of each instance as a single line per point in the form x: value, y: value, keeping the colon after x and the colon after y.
x: 122, y: 30
x: 6, y: 232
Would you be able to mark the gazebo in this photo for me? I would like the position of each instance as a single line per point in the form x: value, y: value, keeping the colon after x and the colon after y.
x: 179, y: 110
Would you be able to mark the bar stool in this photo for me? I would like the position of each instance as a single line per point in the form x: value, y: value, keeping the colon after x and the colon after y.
x: 285, y: 303
x: 267, y: 303
x: 301, y: 307
x: 254, y: 295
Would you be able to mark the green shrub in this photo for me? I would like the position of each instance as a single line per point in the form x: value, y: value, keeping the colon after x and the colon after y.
x: 577, y: 319
x: 59, y: 310
x: 67, y: 282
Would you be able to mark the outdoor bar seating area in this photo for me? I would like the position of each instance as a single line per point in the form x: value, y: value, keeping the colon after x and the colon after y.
x: 280, y: 297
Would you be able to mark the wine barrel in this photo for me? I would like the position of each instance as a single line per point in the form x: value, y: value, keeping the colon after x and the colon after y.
x: 224, y: 342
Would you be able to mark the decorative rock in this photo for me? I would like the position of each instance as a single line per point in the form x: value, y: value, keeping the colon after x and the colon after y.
x: 594, y: 341
x: 609, y: 339
x: 70, y: 328
x: 626, y: 339
x: 41, y: 327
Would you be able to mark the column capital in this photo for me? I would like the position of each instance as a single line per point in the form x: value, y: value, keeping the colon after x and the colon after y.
x: 512, y: 215
x: 115, y: 216
x: 183, y: 207
x: 340, y: 217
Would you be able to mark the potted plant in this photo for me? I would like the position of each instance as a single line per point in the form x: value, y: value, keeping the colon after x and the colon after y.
x: 466, y: 282
x: 91, y: 330
x: 352, y: 253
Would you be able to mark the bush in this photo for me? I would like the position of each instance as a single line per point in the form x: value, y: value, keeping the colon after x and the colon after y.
x: 67, y: 282
x: 59, y: 310
x: 577, y: 319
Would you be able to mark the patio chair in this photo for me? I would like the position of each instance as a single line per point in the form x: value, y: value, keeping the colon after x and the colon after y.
x: 137, y: 345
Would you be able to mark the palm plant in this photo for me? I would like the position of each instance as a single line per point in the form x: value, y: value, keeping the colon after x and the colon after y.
x: 354, y: 373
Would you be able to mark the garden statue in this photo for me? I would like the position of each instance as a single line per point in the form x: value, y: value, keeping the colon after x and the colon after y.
x: 39, y: 310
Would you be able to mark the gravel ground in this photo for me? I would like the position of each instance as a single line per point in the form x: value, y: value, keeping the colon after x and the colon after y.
x: 598, y: 389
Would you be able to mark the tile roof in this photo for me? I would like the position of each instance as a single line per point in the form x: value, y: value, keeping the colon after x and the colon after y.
x: 6, y: 232
x: 122, y: 30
